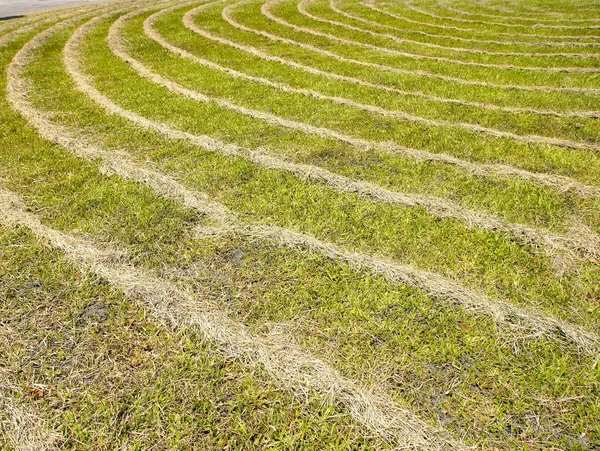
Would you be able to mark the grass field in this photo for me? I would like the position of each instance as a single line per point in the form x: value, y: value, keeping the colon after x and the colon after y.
x: 312, y: 224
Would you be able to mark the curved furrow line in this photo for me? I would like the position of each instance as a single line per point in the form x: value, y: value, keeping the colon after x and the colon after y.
x: 22, y: 429
x: 438, y: 207
x: 192, y: 26
x: 395, y: 114
x: 16, y: 23
x: 371, y: 4
x: 532, y: 139
x: 400, y: 40
x: 410, y: 6
x: 291, y: 367
x: 34, y: 21
x: 301, y: 8
x: 227, y: 16
x: 12, y: 35
x: 281, y: 359
x: 33, y: 17
x: 513, y: 17
x: 558, y: 182
x: 438, y: 287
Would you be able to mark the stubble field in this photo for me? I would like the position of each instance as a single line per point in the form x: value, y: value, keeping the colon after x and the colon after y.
x: 307, y: 224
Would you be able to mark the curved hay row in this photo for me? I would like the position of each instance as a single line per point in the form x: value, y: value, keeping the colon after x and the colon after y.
x: 386, y: 50
x: 14, y: 24
x: 287, y: 364
x: 29, y: 27
x: 394, y: 38
x: 435, y: 206
x: 228, y: 17
x: 22, y: 429
x: 516, y: 17
x: 501, y: 24
x: 37, y: 19
x: 395, y: 114
x: 371, y: 5
x: 189, y: 23
x: 558, y: 182
x: 437, y: 286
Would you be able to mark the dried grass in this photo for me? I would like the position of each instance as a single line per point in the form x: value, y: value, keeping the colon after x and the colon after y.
x: 288, y: 365
x: 304, y: 12
x: 435, y: 285
x: 371, y: 4
x: 394, y: 38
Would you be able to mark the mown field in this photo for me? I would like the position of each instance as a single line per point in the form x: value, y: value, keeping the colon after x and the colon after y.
x: 301, y: 224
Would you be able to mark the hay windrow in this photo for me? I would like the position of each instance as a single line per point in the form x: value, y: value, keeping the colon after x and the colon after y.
x: 22, y: 429
x: 502, y: 312
x: 302, y: 9
x: 288, y: 365
x: 435, y: 206
x: 371, y: 4
x: 37, y: 23
x: 395, y: 38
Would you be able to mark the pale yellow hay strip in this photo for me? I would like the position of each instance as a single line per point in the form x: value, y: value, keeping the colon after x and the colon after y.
x: 20, y: 428
x: 227, y: 16
x: 266, y: 9
x: 275, y: 120
x: 435, y: 285
x: 188, y: 20
x: 12, y: 25
x: 395, y: 38
x: 6, y: 38
x: 370, y: 4
x: 501, y: 24
x: 513, y: 17
x: 436, y: 206
x: 281, y: 359
x: 558, y: 182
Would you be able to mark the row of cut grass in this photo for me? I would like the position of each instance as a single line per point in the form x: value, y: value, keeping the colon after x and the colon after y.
x: 402, y: 174
x: 355, y: 48
x: 187, y: 256
x: 323, y: 11
x: 489, y: 94
x: 403, y: 15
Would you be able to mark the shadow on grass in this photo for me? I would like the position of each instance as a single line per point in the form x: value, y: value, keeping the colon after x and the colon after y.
x: 11, y: 17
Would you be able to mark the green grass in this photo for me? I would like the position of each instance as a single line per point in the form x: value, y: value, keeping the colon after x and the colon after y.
x: 122, y: 379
